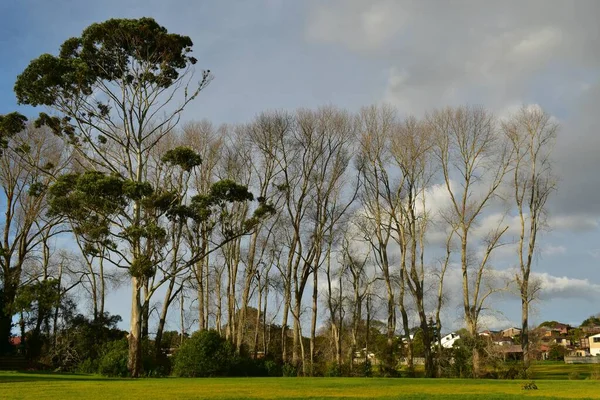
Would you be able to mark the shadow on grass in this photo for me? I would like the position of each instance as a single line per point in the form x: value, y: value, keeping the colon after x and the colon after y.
x: 38, y: 376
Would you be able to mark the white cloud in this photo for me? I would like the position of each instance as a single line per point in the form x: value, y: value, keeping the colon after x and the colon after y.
x: 566, y: 288
x: 358, y: 25
x: 550, y: 250
x: 574, y: 223
x: 594, y: 253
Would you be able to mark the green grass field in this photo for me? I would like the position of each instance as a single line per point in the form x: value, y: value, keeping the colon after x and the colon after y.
x: 15, y: 385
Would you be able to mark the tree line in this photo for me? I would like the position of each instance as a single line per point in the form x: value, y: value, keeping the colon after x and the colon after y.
x: 280, y: 233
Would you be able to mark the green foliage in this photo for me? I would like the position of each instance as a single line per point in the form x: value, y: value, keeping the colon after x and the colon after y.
x: 289, y: 370
x: 79, y: 347
x: 205, y: 354
x: 184, y: 157
x: 272, y: 368
x: 137, y: 52
x: 142, y: 266
x: 593, y: 320
x: 556, y: 353
x: 367, y: 369
x: 113, y: 359
x: 137, y: 191
x: 333, y: 370
x: 10, y: 124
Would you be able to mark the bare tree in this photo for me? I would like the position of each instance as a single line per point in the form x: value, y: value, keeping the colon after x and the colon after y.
x: 474, y: 160
x: 531, y: 134
x: 411, y: 149
x: 26, y: 170
x: 380, y: 198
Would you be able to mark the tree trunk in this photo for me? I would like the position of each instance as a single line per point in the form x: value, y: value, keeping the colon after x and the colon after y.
x: 134, y: 363
x: 163, y: 318
x: 525, y: 328
x: 313, y: 325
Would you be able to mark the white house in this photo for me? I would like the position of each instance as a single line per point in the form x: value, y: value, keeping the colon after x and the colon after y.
x: 448, y: 340
x: 594, y: 344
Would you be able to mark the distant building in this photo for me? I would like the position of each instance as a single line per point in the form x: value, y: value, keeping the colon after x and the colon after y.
x: 448, y: 340
x: 594, y: 341
x: 511, y: 332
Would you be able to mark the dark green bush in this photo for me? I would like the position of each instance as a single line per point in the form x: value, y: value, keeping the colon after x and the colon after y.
x: 88, y: 366
x: 113, y: 359
x: 289, y: 370
x: 205, y: 354
x: 272, y: 368
x: 333, y: 370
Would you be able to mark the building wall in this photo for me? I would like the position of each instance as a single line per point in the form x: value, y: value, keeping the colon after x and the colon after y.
x: 595, y: 345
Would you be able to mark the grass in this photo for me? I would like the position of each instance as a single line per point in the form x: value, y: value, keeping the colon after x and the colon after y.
x: 560, y: 370
x: 15, y: 385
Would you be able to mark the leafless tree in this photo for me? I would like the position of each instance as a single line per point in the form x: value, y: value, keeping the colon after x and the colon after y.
x: 531, y: 133
x: 27, y: 168
x: 474, y: 161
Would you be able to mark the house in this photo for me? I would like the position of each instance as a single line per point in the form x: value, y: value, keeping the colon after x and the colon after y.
x: 591, y: 330
x: 561, y: 341
x: 510, y: 352
x: 594, y: 341
x: 584, y: 343
x: 554, y: 329
x: 448, y: 340
x: 511, y: 332
x: 361, y: 355
x: 578, y: 353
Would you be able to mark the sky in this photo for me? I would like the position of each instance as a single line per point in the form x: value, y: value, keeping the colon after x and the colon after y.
x: 414, y: 55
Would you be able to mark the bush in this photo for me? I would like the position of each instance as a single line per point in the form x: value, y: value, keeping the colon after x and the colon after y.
x: 205, y: 354
x: 272, y: 368
x: 113, y: 359
x: 368, y: 369
x: 88, y: 366
x: 289, y: 370
x: 333, y: 370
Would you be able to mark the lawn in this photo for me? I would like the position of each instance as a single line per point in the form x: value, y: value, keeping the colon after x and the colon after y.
x: 54, y: 386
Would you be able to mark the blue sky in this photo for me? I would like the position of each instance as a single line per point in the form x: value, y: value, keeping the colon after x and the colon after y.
x: 280, y: 54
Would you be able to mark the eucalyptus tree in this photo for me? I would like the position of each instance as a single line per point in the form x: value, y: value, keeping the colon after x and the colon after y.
x: 120, y: 89
x: 474, y: 159
x: 531, y: 133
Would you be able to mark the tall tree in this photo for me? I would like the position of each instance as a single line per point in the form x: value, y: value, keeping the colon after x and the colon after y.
x: 474, y: 161
x: 531, y: 133
x: 121, y: 87
x: 27, y: 168
x: 411, y: 149
x: 380, y: 199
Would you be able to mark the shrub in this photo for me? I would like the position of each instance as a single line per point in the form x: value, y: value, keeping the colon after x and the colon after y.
x: 272, y: 368
x: 88, y: 366
x: 113, y: 359
x: 368, y: 369
x: 333, y: 370
x: 205, y: 354
x: 289, y: 370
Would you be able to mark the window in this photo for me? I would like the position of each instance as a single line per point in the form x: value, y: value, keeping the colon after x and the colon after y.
x: 597, y: 340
